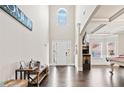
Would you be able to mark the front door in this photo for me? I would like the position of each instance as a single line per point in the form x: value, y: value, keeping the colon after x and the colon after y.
x: 61, y: 52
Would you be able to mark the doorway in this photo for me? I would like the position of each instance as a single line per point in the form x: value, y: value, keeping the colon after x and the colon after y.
x: 61, y: 52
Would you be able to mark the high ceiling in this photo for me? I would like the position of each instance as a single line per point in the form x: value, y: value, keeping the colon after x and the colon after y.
x: 109, y: 19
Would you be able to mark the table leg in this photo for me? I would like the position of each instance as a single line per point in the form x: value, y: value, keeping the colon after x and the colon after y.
x: 112, y: 68
x: 20, y: 74
x: 16, y: 75
x: 24, y: 75
x: 28, y: 78
x: 38, y: 79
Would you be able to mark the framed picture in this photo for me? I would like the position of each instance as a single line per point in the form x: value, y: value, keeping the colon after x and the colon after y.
x: 111, y: 48
x: 96, y: 50
x: 23, y: 64
x: 16, y: 13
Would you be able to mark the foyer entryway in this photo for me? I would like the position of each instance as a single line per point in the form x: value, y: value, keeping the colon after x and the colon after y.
x: 61, y: 52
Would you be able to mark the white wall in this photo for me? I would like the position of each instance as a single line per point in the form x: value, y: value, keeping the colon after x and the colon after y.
x: 66, y: 32
x: 121, y: 44
x: 83, y: 13
x: 18, y: 43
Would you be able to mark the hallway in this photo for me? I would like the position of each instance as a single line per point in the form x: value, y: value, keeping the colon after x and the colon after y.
x: 98, y: 76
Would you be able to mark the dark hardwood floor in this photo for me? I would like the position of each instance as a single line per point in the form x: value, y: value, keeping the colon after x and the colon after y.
x: 98, y: 76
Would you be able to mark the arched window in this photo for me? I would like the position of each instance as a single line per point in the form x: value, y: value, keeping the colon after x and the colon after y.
x: 62, y: 16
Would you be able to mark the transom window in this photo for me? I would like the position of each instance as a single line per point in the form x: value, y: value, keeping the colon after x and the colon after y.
x: 62, y: 16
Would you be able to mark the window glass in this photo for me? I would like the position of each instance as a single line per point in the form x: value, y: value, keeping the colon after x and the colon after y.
x: 62, y: 16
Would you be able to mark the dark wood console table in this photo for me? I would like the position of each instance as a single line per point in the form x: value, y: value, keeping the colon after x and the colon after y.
x: 26, y: 71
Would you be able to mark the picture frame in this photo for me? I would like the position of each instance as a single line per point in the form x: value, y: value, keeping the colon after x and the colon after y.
x: 16, y: 13
x: 96, y: 50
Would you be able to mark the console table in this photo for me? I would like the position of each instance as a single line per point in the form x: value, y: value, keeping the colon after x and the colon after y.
x: 34, y: 75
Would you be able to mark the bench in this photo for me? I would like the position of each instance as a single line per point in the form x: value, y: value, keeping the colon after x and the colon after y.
x: 16, y: 83
x: 34, y: 76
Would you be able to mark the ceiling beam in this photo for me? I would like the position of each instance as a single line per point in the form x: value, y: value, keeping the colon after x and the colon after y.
x: 88, y: 21
x: 105, y: 21
x: 97, y: 28
x: 100, y: 20
x: 116, y: 15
